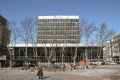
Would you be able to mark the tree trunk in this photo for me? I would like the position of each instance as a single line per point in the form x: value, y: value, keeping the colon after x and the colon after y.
x: 48, y: 62
x: 74, y: 61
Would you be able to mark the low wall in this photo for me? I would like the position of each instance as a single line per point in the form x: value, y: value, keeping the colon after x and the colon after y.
x: 84, y: 63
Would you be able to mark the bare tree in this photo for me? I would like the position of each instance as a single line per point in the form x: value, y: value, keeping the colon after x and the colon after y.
x: 80, y: 32
x: 14, y: 36
x: 33, y: 39
x: 25, y: 31
x: 49, y: 55
x: 83, y: 24
x: 63, y: 49
x: 13, y: 39
x: 103, y: 34
x: 51, y: 32
x: 88, y: 30
x: 76, y: 49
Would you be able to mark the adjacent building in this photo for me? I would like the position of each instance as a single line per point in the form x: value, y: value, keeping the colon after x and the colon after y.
x: 111, y: 51
x: 107, y: 55
x: 4, y: 39
x: 4, y: 31
x: 115, y: 48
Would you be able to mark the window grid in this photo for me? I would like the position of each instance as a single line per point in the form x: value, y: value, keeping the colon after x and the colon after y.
x: 58, y: 31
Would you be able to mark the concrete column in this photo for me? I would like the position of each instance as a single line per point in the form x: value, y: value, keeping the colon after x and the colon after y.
x: 0, y: 64
x: 119, y: 58
x: 91, y: 55
x: 10, y: 64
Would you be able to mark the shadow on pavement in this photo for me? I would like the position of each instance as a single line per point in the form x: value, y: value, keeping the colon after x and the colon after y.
x: 45, y: 77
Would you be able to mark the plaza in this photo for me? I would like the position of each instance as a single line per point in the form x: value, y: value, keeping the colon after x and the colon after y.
x: 104, y: 72
x: 73, y: 40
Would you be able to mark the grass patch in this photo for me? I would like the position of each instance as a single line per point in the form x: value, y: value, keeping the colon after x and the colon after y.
x: 53, y: 68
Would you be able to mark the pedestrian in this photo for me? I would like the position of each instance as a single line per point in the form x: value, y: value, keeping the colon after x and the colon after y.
x: 71, y: 66
x: 40, y: 71
x: 64, y: 66
x: 29, y: 65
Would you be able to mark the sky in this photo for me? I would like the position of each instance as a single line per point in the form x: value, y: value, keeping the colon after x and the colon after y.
x: 98, y: 11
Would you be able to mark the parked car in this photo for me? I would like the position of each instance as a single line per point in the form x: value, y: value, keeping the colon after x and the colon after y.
x: 113, y: 63
x: 93, y: 63
x: 117, y: 63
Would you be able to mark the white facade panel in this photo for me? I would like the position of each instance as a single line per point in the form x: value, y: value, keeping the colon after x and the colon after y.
x: 58, y: 17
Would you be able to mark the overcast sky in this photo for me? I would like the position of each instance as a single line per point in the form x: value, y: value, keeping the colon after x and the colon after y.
x: 98, y: 11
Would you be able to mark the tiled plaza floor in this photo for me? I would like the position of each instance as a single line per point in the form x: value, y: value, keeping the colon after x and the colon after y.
x: 99, y: 73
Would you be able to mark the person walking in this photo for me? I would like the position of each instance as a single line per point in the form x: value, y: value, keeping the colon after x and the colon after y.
x: 29, y: 65
x: 71, y: 66
x: 40, y: 71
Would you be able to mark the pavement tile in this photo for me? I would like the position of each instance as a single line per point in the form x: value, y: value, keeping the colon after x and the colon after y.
x: 67, y: 75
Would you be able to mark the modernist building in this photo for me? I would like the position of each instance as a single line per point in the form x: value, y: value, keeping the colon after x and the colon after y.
x: 41, y: 52
x: 58, y: 39
x: 58, y: 29
x: 4, y: 38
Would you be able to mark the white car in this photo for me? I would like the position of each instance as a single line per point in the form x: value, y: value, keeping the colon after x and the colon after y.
x: 113, y: 63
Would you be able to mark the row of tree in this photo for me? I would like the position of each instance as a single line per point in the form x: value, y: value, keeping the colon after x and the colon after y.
x: 26, y: 33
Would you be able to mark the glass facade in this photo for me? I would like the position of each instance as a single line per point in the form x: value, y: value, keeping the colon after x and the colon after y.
x: 58, y: 29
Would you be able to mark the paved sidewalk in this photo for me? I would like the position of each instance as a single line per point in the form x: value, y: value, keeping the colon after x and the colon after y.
x: 36, y: 78
x: 99, y: 73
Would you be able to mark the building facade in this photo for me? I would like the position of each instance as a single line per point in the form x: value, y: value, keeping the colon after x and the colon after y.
x: 4, y: 31
x: 115, y: 47
x: 58, y: 29
x: 41, y: 53
x: 4, y: 39
x: 58, y: 39
x: 107, y: 55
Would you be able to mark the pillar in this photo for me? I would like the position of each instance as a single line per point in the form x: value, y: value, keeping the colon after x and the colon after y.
x: 0, y: 64
x: 10, y: 64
